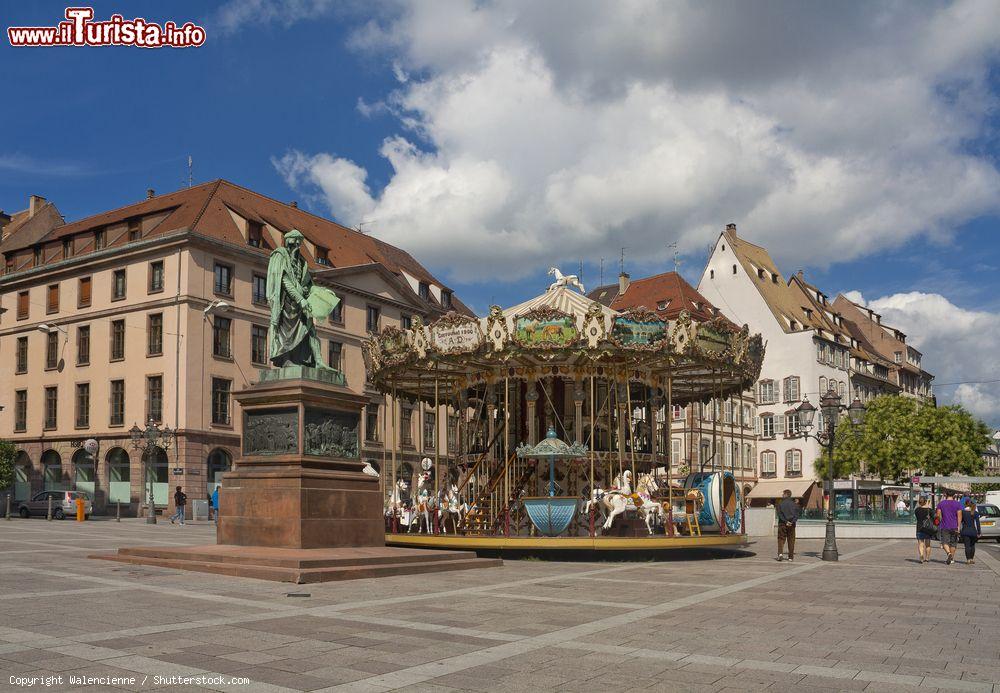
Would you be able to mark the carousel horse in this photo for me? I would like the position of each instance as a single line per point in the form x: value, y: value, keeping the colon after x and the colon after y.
x: 452, y: 506
x: 426, y: 505
x: 621, y: 500
x: 565, y: 280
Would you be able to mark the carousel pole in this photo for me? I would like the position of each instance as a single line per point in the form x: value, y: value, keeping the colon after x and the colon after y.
x: 715, y: 425
x: 668, y: 447
x: 437, y: 454
x: 591, y: 446
x: 384, y: 472
x: 395, y: 444
x: 506, y: 453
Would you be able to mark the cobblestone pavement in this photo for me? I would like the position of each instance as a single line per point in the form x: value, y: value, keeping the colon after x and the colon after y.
x: 877, y: 620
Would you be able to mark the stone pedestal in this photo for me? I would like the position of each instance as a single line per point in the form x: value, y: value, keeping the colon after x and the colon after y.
x: 299, y: 482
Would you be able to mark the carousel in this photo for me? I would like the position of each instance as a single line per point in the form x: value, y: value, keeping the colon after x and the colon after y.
x: 560, y: 436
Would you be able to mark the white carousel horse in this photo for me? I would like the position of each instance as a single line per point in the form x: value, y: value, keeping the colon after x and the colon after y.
x: 454, y: 507
x: 618, y: 501
x: 564, y: 280
x: 426, y: 504
x: 399, y: 504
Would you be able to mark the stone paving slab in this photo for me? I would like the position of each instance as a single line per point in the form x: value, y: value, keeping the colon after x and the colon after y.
x: 875, y: 621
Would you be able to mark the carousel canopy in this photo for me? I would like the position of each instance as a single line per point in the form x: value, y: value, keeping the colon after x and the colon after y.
x: 552, y: 448
x: 563, y: 333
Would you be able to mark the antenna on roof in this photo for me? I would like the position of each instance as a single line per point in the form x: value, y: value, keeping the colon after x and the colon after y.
x: 360, y: 227
x: 580, y: 273
x: 190, y: 171
x: 677, y: 257
x: 602, y: 271
x: 622, y: 266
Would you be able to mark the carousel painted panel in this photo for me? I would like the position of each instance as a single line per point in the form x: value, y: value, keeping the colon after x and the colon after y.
x: 639, y: 329
x: 545, y: 328
x: 712, y: 340
x: 455, y: 334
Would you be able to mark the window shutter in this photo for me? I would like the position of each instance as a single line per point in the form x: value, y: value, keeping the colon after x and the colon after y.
x: 779, y: 425
x: 85, y: 291
x: 756, y: 425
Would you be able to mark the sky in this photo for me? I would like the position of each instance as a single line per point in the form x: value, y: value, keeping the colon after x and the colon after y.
x: 492, y: 139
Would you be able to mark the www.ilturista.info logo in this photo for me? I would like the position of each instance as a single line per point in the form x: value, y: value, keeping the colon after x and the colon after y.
x: 79, y: 29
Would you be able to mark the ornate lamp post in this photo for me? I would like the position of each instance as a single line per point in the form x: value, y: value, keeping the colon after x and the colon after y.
x: 831, y: 407
x: 149, y: 440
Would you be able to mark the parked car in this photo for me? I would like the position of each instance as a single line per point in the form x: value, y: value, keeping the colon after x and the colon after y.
x: 989, y: 521
x: 63, y: 504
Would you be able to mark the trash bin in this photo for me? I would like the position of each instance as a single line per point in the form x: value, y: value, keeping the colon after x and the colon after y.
x: 199, y: 510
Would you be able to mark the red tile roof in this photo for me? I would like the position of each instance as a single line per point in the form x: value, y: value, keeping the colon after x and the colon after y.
x: 652, y: 292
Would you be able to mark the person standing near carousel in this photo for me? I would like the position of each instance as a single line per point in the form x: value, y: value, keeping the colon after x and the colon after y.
x: 292, y: 338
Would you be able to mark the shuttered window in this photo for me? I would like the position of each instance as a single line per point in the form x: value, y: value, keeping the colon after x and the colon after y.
x: 84, y: 292
x: 52, y: 299
x: 22, y: 305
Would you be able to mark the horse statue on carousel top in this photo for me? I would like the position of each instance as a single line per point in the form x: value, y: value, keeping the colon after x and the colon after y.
x: 564, y: 280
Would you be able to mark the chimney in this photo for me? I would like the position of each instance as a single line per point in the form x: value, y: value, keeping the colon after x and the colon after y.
x: 150, y: 193
x: 294, y: 204
x: 800, y: 274
x: 623, y: 283
x: 731, y: 228
x: 35, y: 203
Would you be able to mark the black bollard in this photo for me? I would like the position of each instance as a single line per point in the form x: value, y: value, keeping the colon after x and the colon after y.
x: 118, y: 511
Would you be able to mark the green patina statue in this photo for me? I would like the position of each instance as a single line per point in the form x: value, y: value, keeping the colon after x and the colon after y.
x: 295, y: 306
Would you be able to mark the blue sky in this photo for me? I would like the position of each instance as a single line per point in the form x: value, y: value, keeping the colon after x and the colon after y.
x: 857, y: 142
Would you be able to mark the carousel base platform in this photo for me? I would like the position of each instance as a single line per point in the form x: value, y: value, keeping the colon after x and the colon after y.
x: 301, y: 566
x: 599, y: 543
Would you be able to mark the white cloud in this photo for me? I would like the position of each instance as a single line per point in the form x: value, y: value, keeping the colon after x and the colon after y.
x: 536, y: 132
x: 855, y: 297
x: 958, y: 346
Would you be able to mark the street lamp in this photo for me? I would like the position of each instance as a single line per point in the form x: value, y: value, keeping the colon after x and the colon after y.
x: 831, y: 407
x: 149, y: 440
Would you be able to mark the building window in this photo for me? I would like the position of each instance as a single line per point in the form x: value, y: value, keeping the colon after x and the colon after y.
x: 374, y: 313
x: 791, y: 388
x: 51, y: 408
x: 22, y: 305
x: 767, y: 426
x: 711, y: 274
x: 425, y: 291
x: 220, y: 401
x: 118, y: 285
x: 768, y: 462
x: 38, y: 256
x: 156, y: 276
x: 221, y: 328
x: 223, y: 279
x: 792, y: 424
x: 258, y: 344
x: 335, y: 359
x: 20, y: 411
x: 134, y: 230
x: 727, y: 412
x: 766, y: 394
x: 117, y: 403
x: 822, y: 386
x: 322, y: 256
x: 406, y: 322
x: 52, y: 350
x: 82, y: 405
x: 446, y: 299
x: 371, y: 423
x: 154, y: 398
x: 154, y: 330
x: 675, y: 451
x: 99, y: 239
x: 21, y: 366
x: 67, y: 246
x: 452, y: 433
x: 430, y: 422
x: 337, y: 315
x: 842, y: 389
x: 405, y: 427
x: 83, y: 292
x: 259, y: 294
x: 83, y: 345
x: 52, y: 299
x: 255, y: 234
x: 793, y: 463
x: 117, y: 340
x: 677, y: 411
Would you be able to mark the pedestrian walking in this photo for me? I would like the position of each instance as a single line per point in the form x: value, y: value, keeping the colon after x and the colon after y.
x: 788, y: 515
x: 925, y: 529
x: 180, y: 500
x: 971, y: 531
x: 949, y: 515
x: 215, y: 505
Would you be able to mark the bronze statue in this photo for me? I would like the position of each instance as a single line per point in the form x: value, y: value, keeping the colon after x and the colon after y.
x: 295, y: 305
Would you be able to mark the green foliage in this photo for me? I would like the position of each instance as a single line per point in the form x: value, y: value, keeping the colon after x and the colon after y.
x: 8, y: 453
x: 900, y: 436
x: 980, y: 489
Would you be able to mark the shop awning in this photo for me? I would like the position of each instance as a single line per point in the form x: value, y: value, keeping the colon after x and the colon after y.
x: 775, y: 488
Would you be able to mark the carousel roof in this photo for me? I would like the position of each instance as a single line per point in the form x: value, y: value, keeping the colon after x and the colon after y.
x: 552, y: 447
x: 563, y: 333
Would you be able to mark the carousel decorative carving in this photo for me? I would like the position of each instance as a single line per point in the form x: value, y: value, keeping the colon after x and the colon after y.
x: 595, y: 328
x: 395, y: 346
x: 418, y: 337
x: 496, y: 328
x: 545, y: 328
x: 639, y: 329
x: 682, y: 335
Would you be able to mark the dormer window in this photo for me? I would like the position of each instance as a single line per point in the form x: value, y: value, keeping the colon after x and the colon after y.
x: 99, y: 239
x: 134, y: 230
x: 322, y: 256
x: 425, y: 291
x: 38, y: 255
x: 67, y: 247
x: 662, y: 305
x: 774, y: 278
x: 446, y: 299
x: 760, y: 274
x: 255, y: 233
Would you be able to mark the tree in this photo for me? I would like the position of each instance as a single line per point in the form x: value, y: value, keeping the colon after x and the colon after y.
x: 900, y: 435
x: 8, y: 453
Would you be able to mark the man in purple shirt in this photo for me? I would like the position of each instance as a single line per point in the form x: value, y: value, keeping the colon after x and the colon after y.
x: 948, y: 513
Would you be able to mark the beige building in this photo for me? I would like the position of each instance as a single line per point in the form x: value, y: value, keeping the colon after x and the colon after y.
x: 157, y: 312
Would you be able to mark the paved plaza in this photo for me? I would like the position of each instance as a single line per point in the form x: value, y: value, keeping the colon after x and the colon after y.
x: 875, y: 621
